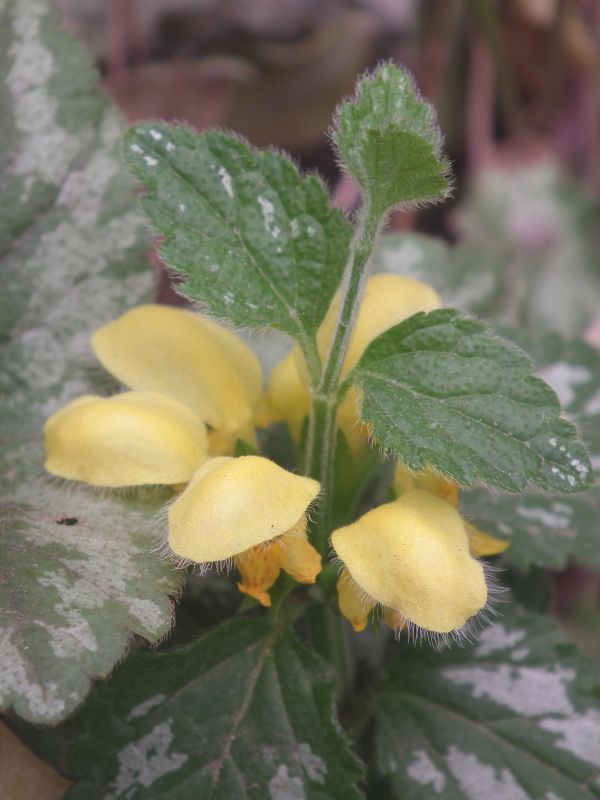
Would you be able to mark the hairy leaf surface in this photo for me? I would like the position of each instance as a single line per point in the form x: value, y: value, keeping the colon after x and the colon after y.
x: 255, y: 242
x: 389, y: 140
x: 442, y: 389
x: 245, y: 711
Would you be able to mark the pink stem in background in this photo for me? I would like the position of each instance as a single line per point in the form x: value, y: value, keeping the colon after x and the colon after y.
x: 120, y: 20
x: 592, y: 109
x: 592, y: 334
x: 480, y: 105
x: 346, y: 194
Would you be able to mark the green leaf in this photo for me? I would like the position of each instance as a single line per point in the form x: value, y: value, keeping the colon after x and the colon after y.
x: 515, y: 716
x: 549, y: 532
x: 389, y: 140
x: 258, y: 244
x: 442, y: 389
x: 78, y: 573
x: 245, y: 711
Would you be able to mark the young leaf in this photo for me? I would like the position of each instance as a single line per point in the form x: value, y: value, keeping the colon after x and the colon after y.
x: 441, y: 389
x: 256, y: 243
x: 245, y: 711
x: 388, y: 139
x: 77, y: 571
x: 514, y: 716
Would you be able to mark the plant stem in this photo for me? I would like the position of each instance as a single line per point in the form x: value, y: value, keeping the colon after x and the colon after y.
x: 326, y: 632
x: 322, y: 431
x: 353, y: 284
x: 319, y: 456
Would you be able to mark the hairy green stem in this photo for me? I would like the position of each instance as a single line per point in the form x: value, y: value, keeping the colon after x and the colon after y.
x: 321, y: 434
x: 352, y: 288
x: 326, y: 632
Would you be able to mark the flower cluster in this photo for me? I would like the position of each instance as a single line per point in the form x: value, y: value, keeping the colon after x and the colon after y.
x: 193, y: 390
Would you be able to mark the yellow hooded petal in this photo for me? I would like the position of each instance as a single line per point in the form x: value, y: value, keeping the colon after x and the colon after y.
x: 287, y: 394
x: 427, y: 480
x: 354, y: 605
x: 186, y: 356
x: 298, y: 557
x: 482, y: 544
x: 413, y: 556
x: 259, y: 568
x: 130, y: 439
x: 387, y: 301
x: 232, y: 505
x: 222, y: 443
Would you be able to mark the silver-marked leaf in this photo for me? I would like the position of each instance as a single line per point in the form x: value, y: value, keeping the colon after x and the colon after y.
x: 539, y: 220
x: 389, y: 139
x: 516, y: 716
x: 78, y: 577
x: 572, y: 368
x: 256, y: 242
x: 467, y: 276
x: 542, y: 531
x: 442, y: 389
x: 77, y: 571
x: 244, y: 712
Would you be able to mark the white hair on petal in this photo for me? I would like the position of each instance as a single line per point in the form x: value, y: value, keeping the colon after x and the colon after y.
x: 469, y: 632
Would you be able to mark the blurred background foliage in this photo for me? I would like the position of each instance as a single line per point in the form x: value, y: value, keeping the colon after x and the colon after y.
x: 516, y: 85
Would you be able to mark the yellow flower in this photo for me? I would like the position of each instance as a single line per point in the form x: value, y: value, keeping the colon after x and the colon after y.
x: 387, y: 301
x: 186, y: 372
x: 480, y: 543
x: 252, y: 511
x: 427, y: 480
x: 412, y: 557
x: 130, y: 439
x: 191, y: 359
